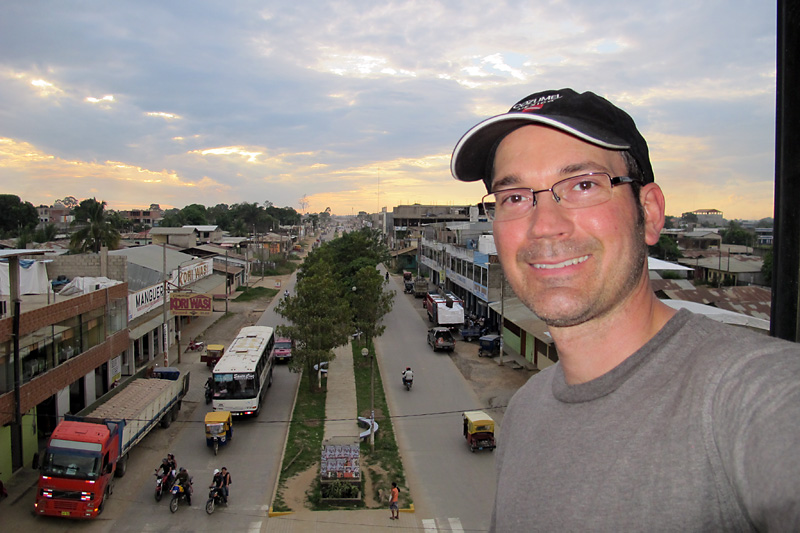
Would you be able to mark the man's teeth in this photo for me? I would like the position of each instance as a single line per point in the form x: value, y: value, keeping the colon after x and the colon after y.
x: 562, y: 264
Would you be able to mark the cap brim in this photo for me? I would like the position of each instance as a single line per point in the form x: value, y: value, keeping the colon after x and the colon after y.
x: 471, y: 155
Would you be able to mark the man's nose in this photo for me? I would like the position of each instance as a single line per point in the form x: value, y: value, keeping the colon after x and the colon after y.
x: 548, y: 219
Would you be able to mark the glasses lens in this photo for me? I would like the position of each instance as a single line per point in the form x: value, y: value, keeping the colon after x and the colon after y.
x: 583, y: 191
x: 508, y: 204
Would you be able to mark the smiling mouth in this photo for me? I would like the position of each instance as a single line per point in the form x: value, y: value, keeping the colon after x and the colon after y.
x: 563, y: 264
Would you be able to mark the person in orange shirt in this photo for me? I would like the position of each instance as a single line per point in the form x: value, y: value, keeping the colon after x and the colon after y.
x: 393, y: 502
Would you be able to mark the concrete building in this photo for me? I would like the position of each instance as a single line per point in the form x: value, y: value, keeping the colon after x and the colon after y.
x: 146, y: 217
x: 70, y: 352
x: 208, y: 234
x: 709, y: 217
x: 184, y: 237
x: 145, y: 277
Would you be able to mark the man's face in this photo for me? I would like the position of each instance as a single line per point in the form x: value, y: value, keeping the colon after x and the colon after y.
x: 567, y: 265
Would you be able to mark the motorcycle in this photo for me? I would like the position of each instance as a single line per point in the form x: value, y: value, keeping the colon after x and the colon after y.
x: 215, y: 497
x: 178, y: 494
x: 408, y: 383
x: 161, y: 483
x: 194, y: 346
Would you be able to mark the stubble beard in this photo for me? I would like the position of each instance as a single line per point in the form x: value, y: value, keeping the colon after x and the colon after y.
x: 599, y: 303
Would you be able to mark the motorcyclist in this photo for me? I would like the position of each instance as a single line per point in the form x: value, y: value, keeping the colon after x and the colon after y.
x: 173, y: 463
x: 165, y: 470
x: 286, y: 293
x: 209, y: 388
x: 185, y: 481
x: 408, y: 375
x: 216, y: 480
x: 225, y: 482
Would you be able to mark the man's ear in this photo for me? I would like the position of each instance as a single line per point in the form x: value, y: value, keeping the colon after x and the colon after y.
x: 652, y: 200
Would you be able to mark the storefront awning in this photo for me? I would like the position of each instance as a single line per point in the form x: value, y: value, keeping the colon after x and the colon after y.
x: 515, y: 311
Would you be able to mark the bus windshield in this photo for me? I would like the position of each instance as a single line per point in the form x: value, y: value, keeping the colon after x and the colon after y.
x: 71, y: 463
x: 236, y: 386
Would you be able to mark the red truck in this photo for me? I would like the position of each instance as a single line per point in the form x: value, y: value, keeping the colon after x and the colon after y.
x: 85, y: 453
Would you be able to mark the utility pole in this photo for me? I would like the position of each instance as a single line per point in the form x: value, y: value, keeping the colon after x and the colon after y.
x: 226, y: 281
x: 178, y: 321
x: 165, y: 327
x: 365, y: 353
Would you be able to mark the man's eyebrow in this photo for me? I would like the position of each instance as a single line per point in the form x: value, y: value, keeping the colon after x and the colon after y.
x: 505, y: 181
x: 583, y: 166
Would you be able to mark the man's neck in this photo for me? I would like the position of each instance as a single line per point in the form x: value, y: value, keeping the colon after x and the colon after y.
x: 589, y: 350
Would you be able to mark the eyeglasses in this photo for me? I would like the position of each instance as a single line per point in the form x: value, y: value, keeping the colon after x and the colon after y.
x: 577, y: 192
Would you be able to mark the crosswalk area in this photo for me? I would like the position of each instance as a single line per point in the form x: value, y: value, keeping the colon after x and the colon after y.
x: 434, y: 525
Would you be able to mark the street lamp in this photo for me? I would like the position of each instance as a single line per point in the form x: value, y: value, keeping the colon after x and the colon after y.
x: 365, y: 353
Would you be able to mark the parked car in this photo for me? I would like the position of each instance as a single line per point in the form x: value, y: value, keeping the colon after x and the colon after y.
x: 283, y: 349
x: 441, y: 339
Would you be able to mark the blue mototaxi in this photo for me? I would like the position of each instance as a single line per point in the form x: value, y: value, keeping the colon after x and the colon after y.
x: 490, y: 346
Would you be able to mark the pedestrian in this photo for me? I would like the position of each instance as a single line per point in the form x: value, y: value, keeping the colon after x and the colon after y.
x: 652, y: 419
x: 393, y: 499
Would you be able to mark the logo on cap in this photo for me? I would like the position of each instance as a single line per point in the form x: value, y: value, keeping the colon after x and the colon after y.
x: 535, y: 104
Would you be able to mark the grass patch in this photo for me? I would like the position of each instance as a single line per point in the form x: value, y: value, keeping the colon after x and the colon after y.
x: 255, y: 293
x: 303, y: 446
x: 386, y: 455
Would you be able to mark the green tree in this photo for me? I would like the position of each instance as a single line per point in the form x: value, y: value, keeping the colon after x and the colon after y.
x: 94, y: 229
x: 766, y: 267
x: 194, y: 215
x: 689, y: 217
x: 70, y: 202
x: 666, y: 248
x: 320, y: 318
x: 16, y: 215
x: 46, y: 233
x: 370, y: 303
x: 736, y: 234
x: 172, y: 219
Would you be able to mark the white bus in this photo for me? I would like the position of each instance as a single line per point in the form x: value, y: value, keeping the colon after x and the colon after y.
x: 244, y: 372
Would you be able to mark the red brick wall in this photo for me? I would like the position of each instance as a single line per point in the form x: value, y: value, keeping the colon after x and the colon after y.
x: 50, y: 382
x: 47, y: 384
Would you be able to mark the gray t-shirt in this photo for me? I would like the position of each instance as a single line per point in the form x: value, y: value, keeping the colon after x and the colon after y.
x: 699, y: 430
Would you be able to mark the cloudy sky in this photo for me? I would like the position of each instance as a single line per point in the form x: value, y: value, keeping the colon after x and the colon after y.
x: 356, y: 105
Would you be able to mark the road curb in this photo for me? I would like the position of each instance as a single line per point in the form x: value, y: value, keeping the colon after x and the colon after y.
x: 283, y: 453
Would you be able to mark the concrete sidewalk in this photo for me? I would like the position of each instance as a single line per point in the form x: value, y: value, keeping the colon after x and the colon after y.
x: 344, y: 522
x: 341, y: 408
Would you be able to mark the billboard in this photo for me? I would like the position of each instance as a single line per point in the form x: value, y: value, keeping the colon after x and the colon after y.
x: 189, y: 304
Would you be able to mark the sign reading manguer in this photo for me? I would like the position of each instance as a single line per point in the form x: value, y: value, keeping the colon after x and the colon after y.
x: 188, y: 304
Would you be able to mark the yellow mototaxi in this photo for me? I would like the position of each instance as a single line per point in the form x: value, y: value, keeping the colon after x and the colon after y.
x: 479, y: 430
x: 219, y: 429
x: 212, y: 354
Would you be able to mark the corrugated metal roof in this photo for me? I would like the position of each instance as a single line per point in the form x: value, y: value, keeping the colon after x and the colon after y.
x: 172, y: 231
x: 152, y: 256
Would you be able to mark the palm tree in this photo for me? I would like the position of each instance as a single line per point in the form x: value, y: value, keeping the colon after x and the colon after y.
x: 95, y: 231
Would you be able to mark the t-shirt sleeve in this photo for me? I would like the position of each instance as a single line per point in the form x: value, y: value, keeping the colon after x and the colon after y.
x: 756, y: 430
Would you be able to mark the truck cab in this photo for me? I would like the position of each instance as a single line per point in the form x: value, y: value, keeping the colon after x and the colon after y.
x: 77, y: 469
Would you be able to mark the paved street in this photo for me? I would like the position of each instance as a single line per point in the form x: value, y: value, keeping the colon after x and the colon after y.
x: 447, y: 480
x: 452, y: 488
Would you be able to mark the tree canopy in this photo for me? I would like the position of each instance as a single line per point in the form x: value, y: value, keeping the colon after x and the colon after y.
x: 16, y: 216
x: 320, y: 318
x: 95, y: 229
x: 339, y: 291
